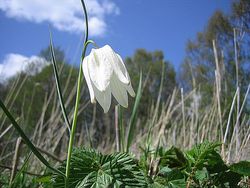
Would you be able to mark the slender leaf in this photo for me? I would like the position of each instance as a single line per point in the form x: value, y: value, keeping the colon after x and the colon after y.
x: 58, y: 87
x: 24, y: 166
x: 134, y: 114
x: 242, y: 168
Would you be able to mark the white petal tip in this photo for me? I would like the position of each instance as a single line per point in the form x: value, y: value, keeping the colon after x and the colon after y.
x: 132, y: 94
x: 93, y: 101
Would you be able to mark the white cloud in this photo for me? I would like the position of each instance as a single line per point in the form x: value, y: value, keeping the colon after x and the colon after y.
x: 65, y: 15
x: 16, y: 63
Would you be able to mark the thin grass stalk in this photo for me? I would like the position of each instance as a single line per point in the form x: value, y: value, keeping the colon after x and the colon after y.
x: 218, y: 91
x: 26, y: 120
x: 14, y: 98
x: 121, y: 129
x: 9, y: 96
x: 166, y: 118
x: 117, y: 131
x: 183, y: 117
x: 88, y: 136
x: 237, y: 86
x: 230, y: 115
x: 242, y: 152
x: 235, y: 133
x: 9, y: 142
x: 41, y: 120
x: 27, y: 141
x: 15, y: 160
x: 6, y: 130
x: 159, y: 92
x: 49, y: 154
x: 247, y: 136
x: 18, y: 170
x: 155, y: 110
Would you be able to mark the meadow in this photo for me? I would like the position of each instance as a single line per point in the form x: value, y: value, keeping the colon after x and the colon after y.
x: 195, y: 134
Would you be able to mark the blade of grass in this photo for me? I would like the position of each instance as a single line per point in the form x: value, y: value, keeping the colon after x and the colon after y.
x: 15, y: 160
x: 134, y: 113
x: 26, y: 140
x: 58, y: 87
x: 22, y: 170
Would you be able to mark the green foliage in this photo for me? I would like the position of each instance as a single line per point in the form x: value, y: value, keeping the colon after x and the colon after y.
x: 242, y: 167
x: 204, y: 154
x: 171, y: 178
x: 174, y: 158
x: 198, y: 167
x: 90, y: 168
x: 58, y: 87
x: 201, y: 166
x: 134, y: 114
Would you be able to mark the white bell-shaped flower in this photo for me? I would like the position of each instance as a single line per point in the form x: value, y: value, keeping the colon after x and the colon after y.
x: 105, y: 73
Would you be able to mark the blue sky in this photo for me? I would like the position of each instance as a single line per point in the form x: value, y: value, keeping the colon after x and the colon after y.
x: 124, y: 24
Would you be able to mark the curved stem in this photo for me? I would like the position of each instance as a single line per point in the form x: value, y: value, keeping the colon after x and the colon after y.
x: 86, y: 23
x: 73, y: 128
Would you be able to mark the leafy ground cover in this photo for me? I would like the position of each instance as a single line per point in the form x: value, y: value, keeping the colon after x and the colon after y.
x: 201, y: 166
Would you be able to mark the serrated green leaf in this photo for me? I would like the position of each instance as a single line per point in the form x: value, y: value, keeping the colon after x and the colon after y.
x: 89, y: 168
x: 173, y: 158
x: 201, y: 174
x: 242, y: 168
x: 203, y: 155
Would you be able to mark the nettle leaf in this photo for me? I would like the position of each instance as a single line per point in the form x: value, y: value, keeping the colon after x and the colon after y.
x: 201, y: 175
x: 173, y: 158
x: 170, y: 174
x: 89, y: 168
x: 204, y: 155
x: 242, y: 168
x: 168, y: 177
x: 228, y: 178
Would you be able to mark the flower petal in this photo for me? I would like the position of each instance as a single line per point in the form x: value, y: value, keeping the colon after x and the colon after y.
x: 100, y: 69
x: 130, y: 90
x: 103, y: 98
x: 123, y: 67
x: 119, y: 91
x: 87, y: 78
x: 117, y: 63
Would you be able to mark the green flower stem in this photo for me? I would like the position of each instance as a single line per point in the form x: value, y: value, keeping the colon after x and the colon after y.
x: 73, y: 128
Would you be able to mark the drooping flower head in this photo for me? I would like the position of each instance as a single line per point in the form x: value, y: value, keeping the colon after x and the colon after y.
x: 105, y: 73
